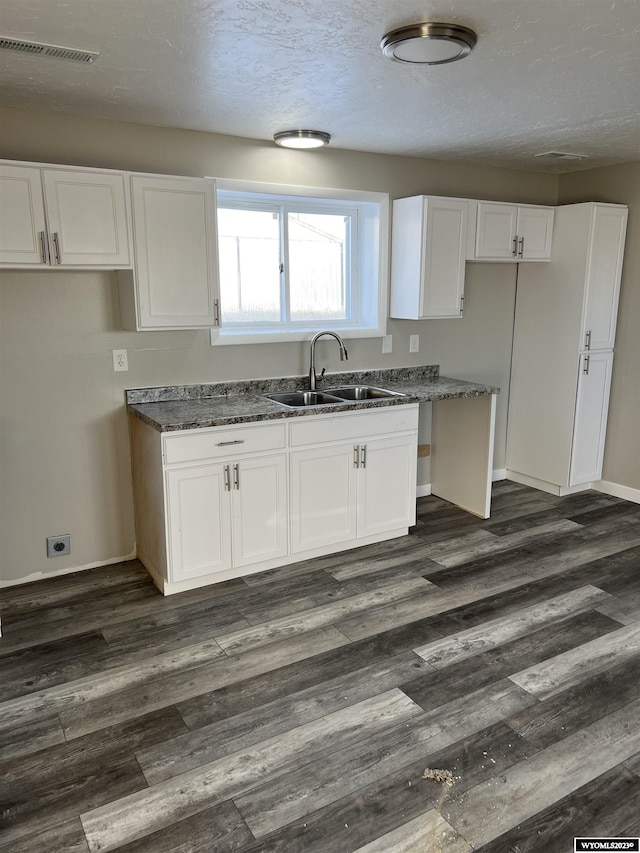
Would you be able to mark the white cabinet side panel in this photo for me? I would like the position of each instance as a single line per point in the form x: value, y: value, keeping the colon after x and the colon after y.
x: 406, y: 257
x: 462, y: 437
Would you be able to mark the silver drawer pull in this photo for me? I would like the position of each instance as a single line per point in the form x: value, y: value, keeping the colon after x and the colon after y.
x: 585, y: 369
x: 236, y: 476
x: 228, y: 443
x: 356, y: 455
x: 587, y: 339
x: 363, y: 455
x: 227, y: 479
x: 514, y: 251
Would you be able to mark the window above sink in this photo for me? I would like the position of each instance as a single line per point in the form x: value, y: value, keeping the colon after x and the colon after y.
x: 293, y: 259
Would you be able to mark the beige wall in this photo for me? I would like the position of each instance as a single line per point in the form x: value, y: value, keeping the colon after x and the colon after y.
x: 64, y: 461
x: 619, y: 184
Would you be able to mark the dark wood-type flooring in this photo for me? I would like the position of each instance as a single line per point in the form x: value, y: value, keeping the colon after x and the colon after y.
x: 297, y: 710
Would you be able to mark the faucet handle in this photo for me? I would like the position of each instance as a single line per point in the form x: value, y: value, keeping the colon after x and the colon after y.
x: 322, y: 372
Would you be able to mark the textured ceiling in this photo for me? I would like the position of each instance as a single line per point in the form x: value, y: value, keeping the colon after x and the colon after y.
x: 546, y: 75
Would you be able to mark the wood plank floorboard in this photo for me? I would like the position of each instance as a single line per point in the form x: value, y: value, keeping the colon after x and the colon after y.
x: 296, y: 710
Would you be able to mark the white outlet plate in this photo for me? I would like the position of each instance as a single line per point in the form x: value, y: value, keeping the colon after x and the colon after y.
x: 387, y: 344
x: 120, y: 360
x: 414, y: 343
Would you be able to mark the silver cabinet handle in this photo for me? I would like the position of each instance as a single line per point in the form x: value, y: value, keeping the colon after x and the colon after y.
x: 227, y: 479
x: 43, y: 247
x: 363, y: 455
x: 521, y: 249
x: 56, y: 247
x: 236, y: 476
x: 356, y: 456
x: 227, y: 443
x: 462, y: 304
x: 585, y: 368
x: 216, y: 312
x: 514, y: 251
x: 587, y: 339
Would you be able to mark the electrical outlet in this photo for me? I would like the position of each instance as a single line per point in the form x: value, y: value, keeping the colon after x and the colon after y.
x: 120, y: 360
x: 414, y: 343
x: 58, y: 546
x: 387, y: 344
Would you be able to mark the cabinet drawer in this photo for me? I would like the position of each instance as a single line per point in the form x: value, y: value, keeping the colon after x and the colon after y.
x: 223, y: 443
x: 344, y: 427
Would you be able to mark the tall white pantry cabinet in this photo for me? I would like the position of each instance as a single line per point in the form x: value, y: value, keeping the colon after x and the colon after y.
x: 564, y: 335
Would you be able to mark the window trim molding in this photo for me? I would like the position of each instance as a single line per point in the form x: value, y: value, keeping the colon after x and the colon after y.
x: 374, y: 231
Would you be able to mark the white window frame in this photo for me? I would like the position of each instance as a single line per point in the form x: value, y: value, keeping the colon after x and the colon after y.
x: 370, y: 269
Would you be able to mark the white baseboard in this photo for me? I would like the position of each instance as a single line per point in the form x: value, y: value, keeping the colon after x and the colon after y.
x: 617, y: 490
x: 423, y: 491
x: 38, y: 576
x: 544, y: 486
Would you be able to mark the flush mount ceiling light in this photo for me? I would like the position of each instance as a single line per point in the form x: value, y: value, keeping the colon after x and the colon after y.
x: 302, y: 138
x: 429, y: 44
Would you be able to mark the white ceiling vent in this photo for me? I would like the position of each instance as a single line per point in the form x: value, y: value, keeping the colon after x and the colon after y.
x: 34, y: 48
x: 560, y: 155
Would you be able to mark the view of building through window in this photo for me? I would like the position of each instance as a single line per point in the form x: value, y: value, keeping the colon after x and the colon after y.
x: 282, y: 266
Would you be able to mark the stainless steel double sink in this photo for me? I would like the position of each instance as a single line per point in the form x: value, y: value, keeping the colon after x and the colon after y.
x: 332, y: 396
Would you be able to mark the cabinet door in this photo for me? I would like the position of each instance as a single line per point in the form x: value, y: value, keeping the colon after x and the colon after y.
x: 590, y: 426
x: 604, y: 270
x: 174, y: 224
x: 323, y: 496
x: 259, y: 509
x: 387, y: 485
x: 199, y: 521
x: 535, y: 230
x: 22, y: 223
x: 445, y: 249
x: 87, y: 218
x: 496, y: 231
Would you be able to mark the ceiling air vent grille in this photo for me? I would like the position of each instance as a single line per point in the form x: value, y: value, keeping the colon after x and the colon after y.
x: 560, y: 155
x: 56, y: 51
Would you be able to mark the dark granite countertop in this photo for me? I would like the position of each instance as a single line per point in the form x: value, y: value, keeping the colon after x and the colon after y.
x: 182, y: 407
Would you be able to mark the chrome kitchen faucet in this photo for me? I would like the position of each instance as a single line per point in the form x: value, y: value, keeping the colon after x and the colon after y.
x: 313, y: 379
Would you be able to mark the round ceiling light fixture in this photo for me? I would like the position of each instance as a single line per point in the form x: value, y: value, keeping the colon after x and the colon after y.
x: 302, y: 138
x: 429, y: 44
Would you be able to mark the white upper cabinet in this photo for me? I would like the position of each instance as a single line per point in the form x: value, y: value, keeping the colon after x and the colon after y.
x: 603, y: 274
x: 22, y: 222
x: 429, y: 250
x: 87, y: 218
x: 175, y: 285
x: 62, y: 217
x: 511, y: 232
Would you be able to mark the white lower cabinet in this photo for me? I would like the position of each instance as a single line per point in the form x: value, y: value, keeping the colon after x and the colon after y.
x: 226, y: 515
x: 592, y: 408
x: 323, y: 497
x: 218, y: 503
x: 199, y: 521
x: 352, y: 491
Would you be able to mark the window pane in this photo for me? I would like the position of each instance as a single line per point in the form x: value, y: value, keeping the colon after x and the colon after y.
x: 249, y: 250
x: 318, y: 266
